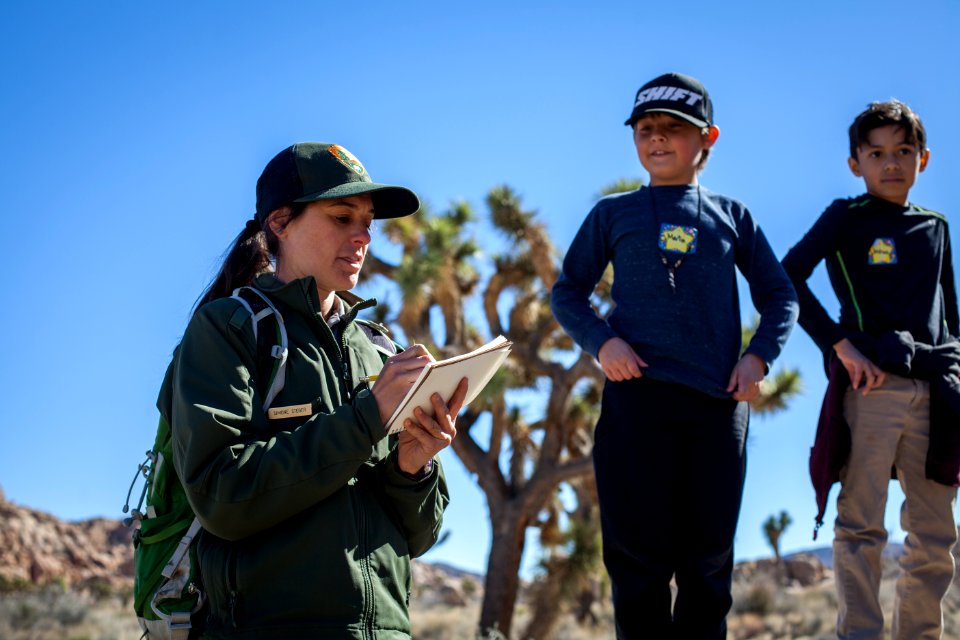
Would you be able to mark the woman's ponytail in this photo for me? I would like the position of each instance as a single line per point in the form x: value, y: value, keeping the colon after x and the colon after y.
x: 248, y: 257
x: 252, y: 253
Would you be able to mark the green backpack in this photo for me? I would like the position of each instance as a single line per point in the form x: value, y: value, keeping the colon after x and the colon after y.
x: 167, y: 590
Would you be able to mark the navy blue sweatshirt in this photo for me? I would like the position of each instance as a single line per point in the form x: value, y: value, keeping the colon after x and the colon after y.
x: 690, y: 336
x: 891, y: 270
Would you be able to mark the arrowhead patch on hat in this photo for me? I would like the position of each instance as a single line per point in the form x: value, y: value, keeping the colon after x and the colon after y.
x: 347, y: 158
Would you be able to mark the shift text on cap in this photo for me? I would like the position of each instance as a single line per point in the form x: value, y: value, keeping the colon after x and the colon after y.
x: 667, y: 93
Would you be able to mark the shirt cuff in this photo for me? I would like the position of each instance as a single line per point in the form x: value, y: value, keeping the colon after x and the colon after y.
x: 416, y: 477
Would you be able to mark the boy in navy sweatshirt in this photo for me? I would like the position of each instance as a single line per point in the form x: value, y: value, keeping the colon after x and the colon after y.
x: 892, y: 360
x: 674, y: 413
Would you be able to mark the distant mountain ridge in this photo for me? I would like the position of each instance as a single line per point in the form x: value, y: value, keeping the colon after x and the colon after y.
x: 37, y: 548
x: 892, y: 551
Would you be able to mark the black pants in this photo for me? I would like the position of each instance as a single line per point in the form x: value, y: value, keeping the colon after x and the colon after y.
x: 670, y: 463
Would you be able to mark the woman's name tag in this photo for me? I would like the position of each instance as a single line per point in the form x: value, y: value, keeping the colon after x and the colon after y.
x: 293, y: 411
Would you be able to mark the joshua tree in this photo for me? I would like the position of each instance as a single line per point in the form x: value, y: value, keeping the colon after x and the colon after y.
x: 518, y: 457
x: 572, y: 566
x: 773, y: 528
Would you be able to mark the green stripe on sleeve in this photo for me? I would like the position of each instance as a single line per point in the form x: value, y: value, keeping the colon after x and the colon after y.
x: 853, y: 296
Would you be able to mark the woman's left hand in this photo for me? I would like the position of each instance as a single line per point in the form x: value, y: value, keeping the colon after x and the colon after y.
x: 425, y: 437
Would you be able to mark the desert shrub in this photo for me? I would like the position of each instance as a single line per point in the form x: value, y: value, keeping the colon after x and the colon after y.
x: 469, y: 586
x: 440, y: 622
x: 100, y: 589
x: 49, y: 613
x: 758, y: 598
x: 491, y: 634
x: 14, y: 584
x: 126, y: 596
x: 44, y: 608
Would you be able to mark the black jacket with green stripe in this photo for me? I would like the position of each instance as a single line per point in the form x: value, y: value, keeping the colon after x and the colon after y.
x: 891, y: 270
x: 309, y: 525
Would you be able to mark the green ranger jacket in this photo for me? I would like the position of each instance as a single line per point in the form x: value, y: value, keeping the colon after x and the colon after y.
x: 309, y: 525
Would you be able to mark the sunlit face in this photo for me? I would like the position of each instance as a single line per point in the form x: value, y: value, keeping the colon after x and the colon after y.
x: 328, y: 241
x: 888, y: 164
x: 670, y: 149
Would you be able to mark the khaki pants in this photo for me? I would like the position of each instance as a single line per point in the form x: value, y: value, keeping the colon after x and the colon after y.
x: 891, y: 426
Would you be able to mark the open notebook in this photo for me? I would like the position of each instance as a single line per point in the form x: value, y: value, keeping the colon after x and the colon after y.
x: 443, y: 376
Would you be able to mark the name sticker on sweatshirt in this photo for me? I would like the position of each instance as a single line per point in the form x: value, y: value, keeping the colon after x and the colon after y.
x: 882, y: 251
x: 677, y: 239
x: 293, y: 411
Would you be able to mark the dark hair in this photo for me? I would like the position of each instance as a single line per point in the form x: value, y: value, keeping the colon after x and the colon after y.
x: 882, y: 114
x: 252, y: 253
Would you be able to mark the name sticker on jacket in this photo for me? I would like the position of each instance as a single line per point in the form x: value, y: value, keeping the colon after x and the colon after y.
x: 293, y: 411
x: 677, y: 239
x: 882, y: 251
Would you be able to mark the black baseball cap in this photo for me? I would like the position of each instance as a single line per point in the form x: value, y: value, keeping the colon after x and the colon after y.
x: 676, y: 94
x: 309, y: 171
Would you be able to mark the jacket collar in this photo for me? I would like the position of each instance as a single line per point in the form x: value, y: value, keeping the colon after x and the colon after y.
x: 301, y: 295
x: 891, y: 207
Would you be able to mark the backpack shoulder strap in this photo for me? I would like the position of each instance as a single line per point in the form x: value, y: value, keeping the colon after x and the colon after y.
x: 272, y: 350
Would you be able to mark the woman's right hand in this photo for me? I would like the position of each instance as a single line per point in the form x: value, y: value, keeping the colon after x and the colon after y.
x: 859, y: 367
x: 398, y: 374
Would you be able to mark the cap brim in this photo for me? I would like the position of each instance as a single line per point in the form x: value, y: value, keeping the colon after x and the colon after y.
x: 388, y: 201
x: 679, y: 114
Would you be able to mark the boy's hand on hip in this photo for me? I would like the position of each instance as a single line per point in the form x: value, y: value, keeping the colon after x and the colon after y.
x: 859, y: 367
x: 619, y: 361
x: 746, y: 377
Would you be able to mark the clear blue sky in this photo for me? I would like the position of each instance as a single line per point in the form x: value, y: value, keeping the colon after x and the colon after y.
x: 133, y: 133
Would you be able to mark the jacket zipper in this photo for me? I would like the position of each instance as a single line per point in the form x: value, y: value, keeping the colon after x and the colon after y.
x: 231, y: 582
x: 344, y: 353
x: 366, y: 614
x: 344, y: 365
x: 369, y: 605
x: 341, y: 347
